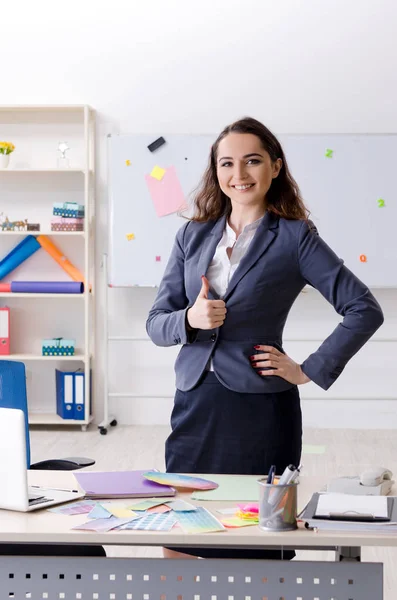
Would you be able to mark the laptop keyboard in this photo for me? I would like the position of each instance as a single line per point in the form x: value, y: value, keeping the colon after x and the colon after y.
x: 37, y: 499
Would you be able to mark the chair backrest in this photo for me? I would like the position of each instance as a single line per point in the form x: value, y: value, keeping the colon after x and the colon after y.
x: 13, y: 393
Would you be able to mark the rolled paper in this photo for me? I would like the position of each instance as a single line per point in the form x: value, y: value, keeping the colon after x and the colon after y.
x: 57, y: 255
x: 47, y: 287
x: 5, y: 287
x: 18, y: 255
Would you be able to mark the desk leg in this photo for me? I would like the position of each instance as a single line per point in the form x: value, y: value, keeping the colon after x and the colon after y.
x: 348, y: 553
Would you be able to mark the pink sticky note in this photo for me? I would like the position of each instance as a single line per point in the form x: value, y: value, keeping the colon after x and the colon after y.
x: 167, y: 194
x: 253, y: 507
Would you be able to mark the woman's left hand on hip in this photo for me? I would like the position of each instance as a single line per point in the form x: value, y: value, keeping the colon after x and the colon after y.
x: 277, y: 363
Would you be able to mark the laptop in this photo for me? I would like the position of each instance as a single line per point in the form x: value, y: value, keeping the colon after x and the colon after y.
x: 15, y: 494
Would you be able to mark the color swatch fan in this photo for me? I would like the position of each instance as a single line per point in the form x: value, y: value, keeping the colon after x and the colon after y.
x: 181, y: 481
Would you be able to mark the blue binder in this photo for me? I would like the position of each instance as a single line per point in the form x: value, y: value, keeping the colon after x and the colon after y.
x: 79, y: 396
x: 70, y: 394
x: 65, y: 394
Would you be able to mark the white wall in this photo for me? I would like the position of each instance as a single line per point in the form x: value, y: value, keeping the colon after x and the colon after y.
x: 192, y: 67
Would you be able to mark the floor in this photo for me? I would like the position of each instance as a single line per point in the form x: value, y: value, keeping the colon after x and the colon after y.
x: 142, y: 447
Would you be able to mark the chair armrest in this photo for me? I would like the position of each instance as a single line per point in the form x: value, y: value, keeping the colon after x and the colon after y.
x: 71, y: 463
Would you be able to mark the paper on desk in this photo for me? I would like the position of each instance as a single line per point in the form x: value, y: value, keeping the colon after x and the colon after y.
x: 162, y: 508
x: 233, y: 488
x: 199, y: 521
x: 102, y: 525
x: 181, y: 506
x: 99, y: 512
x: 152, y: 522
x: 121, y: 512
x: 143, y: 505
x: 350, y: 504
x: 227, y: 511
x: 75, y: 508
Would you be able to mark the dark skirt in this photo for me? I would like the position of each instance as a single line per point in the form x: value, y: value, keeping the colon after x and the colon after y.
x: 217, y: 430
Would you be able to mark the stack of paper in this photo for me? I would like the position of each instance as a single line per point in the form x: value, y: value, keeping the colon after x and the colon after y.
x: 348, y: 512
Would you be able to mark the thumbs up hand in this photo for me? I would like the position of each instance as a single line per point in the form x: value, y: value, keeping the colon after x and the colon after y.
x: 205, y: 313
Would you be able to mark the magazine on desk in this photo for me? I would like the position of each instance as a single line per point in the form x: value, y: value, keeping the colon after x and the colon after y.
x: 351, y: 520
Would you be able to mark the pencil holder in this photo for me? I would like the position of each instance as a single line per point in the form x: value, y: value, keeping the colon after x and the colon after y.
x: 277, y: 506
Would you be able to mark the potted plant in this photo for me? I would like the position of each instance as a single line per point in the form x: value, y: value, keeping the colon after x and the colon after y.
x: 5, y: 150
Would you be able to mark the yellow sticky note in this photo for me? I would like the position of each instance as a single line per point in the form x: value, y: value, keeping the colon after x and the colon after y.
x: 128, y: 163
x: 121, y: 512
x: 158, y: 173
x: 130, y: 236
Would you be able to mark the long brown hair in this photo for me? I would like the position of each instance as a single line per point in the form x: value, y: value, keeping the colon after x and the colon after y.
x: 282, y: 199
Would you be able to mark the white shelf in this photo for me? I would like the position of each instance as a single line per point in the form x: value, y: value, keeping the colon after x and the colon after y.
x: 43, y: 170
x: 44, y: 107
x: 48, y: 124
x: 54, y: 419
x: 80, y: 233
x: 22, y: 357
x: 22, y: 295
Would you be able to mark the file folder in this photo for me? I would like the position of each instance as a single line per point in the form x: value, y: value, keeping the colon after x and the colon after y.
x: 4, y: 331
x: 79, y: 396
x: 65, y: 394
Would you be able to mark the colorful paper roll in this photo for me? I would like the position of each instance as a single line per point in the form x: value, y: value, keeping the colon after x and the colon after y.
x: 47, y: 287
x: 57, y: 255
x: 18, y: 255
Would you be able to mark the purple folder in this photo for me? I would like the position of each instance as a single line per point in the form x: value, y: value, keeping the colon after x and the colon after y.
x: 121, y: 484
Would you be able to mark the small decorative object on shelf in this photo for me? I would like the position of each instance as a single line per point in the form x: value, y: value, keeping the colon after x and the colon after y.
x: 58, y: 347
x: 68, y: 210
x: 63, y: 161
x: 33, y: 227
x: 7, y: 225
x: 67, y: 224
x: 5, y: 150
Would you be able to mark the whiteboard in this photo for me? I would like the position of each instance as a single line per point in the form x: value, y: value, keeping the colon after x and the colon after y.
x: 342, y: 191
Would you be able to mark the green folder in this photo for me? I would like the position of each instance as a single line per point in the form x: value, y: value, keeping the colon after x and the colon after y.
x: 231, y: 488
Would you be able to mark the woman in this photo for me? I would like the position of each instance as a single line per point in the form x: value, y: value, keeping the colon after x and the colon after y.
x: 235, y: 270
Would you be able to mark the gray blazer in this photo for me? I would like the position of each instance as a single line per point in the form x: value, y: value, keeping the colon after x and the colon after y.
x: 282, y: 258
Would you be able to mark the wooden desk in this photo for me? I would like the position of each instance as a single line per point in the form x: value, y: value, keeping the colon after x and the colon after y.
x: 46, y: 527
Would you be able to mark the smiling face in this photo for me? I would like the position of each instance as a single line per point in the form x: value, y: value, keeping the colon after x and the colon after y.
x: 245, y: 170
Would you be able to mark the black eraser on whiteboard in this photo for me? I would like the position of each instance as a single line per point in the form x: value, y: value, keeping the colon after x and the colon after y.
x: 156, y: 144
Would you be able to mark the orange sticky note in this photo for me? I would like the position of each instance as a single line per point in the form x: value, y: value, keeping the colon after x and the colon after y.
x: 158, y: 173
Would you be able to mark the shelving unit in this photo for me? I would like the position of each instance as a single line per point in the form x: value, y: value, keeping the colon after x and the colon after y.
x: 49, y: 232
x: 24, y: 357
x: 34, y: 178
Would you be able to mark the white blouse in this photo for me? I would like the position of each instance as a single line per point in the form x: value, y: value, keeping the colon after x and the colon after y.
x: 222, y: 267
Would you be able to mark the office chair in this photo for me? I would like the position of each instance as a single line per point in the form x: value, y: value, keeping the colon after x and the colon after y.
x: 13, y: 395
